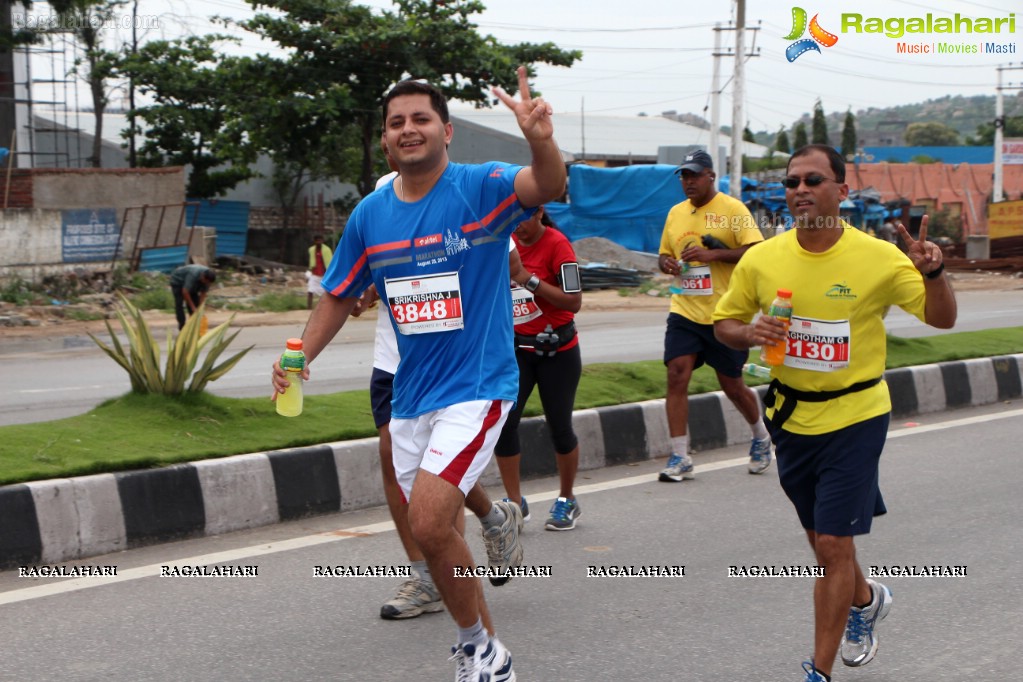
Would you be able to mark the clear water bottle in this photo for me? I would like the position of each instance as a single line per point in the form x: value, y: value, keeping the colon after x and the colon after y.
x: 289, y: 403
x: 758, y: 371
x: 774, y: 354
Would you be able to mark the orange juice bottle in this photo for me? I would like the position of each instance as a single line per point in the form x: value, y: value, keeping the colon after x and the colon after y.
x: 774, y: 354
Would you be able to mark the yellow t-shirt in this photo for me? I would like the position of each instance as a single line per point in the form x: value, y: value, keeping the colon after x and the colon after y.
x: 723, y: 217
x: 837, y: 334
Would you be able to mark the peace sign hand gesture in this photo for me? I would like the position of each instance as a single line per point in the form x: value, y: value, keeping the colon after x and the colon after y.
x: 926, y: 256
x: 534, y: 115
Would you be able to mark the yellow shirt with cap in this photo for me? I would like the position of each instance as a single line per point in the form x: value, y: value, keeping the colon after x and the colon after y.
x: 723, y: 217
x: 849, y: 289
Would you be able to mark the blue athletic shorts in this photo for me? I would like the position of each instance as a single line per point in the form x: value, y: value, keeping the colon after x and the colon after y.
x: 685, y: 337
x: 832, y: 478
x: 381, y: 390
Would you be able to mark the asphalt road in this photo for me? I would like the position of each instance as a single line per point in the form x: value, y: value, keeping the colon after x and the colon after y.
x: 951, y: 482
x: 65, y: 376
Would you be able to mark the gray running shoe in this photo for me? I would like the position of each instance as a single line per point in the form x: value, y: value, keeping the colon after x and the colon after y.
x: 859, y: 643
x: 759, y: 456
x: 415, y: 597
x: 504, y: 547
x: 679, y: 467
x: 564, y: 512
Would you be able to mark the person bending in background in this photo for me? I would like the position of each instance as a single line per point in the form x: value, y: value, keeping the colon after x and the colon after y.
x: 189, y: 284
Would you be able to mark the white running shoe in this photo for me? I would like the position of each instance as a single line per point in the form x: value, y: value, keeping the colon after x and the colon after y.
x: 492, y: 664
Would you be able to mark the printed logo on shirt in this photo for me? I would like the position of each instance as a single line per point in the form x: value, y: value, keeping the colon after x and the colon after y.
x: 429, y: 240
x: 454, y: 243
x: 840, y: 291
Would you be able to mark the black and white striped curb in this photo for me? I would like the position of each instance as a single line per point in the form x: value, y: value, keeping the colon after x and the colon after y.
x: 56, y: 520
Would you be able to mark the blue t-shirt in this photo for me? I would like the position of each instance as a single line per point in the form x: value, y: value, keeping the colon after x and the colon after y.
x: 441, y: 267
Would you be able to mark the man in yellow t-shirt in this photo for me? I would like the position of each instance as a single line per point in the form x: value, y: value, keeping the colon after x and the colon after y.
x: 704, y: 237
x: 828, y: 405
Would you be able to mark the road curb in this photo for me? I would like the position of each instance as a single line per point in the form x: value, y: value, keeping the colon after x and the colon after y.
x: 56, y: 520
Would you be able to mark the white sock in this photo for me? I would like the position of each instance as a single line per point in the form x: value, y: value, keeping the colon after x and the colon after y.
x: 680, y: 445
x: 495, y: 517
x: 759, y: 430
x: 423, y: 570
x: 475, y: 635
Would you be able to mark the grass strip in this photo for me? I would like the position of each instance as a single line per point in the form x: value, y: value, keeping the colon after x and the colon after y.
x: 140, y: 431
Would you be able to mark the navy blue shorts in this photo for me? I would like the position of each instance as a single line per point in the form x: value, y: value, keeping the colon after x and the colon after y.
x: 832, y: 478
x: 381, y: 390
x: 685, y: 337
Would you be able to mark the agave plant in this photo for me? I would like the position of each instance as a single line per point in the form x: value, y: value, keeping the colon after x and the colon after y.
x: 141, y: 359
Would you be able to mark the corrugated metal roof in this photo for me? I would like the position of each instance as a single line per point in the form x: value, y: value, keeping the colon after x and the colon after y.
x: 606, y: 136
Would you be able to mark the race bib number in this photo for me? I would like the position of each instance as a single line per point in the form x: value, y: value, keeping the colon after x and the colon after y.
x: 818, y: 345
x: 420, y: 305
x: 695, y: 281
x: 524, y: 307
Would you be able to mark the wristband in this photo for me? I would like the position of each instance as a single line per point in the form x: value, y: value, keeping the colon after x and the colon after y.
x: 532, y: 284
x: 936, y: 273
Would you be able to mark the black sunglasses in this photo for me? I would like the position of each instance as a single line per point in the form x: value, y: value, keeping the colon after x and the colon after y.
x: 792, y: 181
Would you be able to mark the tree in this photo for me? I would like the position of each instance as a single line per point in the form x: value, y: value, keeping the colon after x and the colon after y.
x: 195, y: 92
x: 849, y: 135
x: 747, y: 135
x: 986, y: 131
x: 781, y: 141
x: 799, y: 139
x: 933, y: 134
x: 819, y: 125
x: 338, y: 44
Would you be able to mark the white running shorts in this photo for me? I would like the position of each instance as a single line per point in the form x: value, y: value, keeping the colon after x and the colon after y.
x: 455, y: 443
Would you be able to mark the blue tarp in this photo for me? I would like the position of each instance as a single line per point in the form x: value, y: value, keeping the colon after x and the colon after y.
x: 945, y: 154
x: 627, y: 205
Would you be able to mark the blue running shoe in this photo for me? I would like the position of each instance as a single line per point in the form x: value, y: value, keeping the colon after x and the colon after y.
x: 859, y: 643
x: 759, y: 456
x: 812, y: 674
x: 524, y: 506
x: 679, y: 467
x: 563, y: 514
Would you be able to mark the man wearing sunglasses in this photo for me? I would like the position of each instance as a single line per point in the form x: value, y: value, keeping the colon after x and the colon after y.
x: 831, y: 420
x: 704, y: 237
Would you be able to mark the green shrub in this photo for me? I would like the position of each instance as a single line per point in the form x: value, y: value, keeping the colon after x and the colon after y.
x: 141, y: 360
x: 16, y: 290
x: 154, y: 299
x: 280, y: 303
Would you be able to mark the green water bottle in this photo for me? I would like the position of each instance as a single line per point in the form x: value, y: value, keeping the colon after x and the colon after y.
x: 289, y: 403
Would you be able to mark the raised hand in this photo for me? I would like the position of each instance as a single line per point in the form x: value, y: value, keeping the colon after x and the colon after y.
x: 534, y: 115
x: 926, y: 256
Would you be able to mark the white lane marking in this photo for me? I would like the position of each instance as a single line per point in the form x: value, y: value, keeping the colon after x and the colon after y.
x: 153, y: 570
x: 65, y: 389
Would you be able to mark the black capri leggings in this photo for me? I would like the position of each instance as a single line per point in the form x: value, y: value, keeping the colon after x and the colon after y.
x: 558, y: 379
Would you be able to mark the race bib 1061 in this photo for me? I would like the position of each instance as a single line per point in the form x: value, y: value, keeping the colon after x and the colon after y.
x: 432, y: 303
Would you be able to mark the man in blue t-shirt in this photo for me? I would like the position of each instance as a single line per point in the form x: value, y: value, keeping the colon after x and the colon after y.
x: 435, y: 244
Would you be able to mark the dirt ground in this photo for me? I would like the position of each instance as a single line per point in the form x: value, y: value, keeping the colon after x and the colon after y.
x: 41, y: 321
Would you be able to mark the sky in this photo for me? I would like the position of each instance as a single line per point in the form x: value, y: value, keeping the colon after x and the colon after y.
x: 652, y: 56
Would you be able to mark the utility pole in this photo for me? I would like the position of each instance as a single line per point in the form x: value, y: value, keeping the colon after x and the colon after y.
x: 738, y: 93
x: 715, y: 104
x: 998, y: 181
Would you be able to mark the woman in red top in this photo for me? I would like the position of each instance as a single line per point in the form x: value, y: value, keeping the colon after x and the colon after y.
x: 547, y: 351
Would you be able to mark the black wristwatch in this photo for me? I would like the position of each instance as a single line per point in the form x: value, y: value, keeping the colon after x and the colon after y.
x: 532, y: 284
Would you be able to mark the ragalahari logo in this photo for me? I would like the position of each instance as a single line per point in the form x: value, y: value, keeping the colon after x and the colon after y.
x: 817, y: 35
